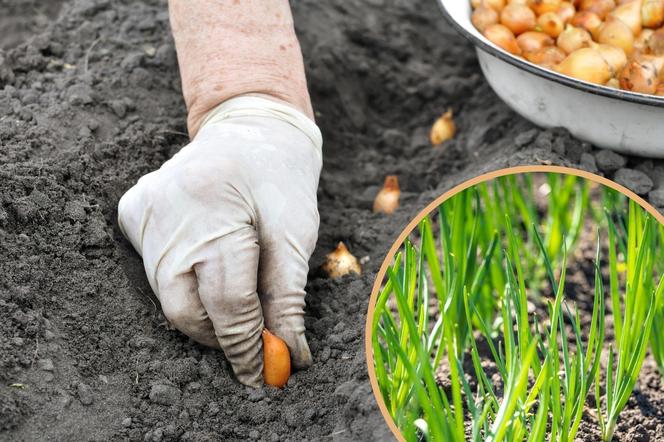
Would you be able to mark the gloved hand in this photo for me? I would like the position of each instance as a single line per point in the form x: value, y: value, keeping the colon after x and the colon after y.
x: 226, y: 228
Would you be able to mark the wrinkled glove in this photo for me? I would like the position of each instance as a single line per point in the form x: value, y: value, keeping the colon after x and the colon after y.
x: 226, y: 228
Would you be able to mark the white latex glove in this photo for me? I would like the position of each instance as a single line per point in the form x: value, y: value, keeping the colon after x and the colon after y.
x: 226, y: 228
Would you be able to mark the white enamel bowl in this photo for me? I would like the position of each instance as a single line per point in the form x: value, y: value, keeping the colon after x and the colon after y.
x: 623, y: 121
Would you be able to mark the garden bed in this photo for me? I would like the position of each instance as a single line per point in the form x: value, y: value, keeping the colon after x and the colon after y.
x: 92, y: 101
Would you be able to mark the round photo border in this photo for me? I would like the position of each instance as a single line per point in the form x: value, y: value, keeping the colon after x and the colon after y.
x: 396, y: 245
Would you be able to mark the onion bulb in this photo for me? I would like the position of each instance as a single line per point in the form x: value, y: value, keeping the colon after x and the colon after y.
x: 599, y: 7
x: 550, y: 23
x: 502, y: 37
x: 652, y: 13
x: 276, y: 360
x: 615, y: 32
x: 588, y: 21
x: 660, y: 90
x: 387, y: 200
x: 586, y: 64
x: 341, y: 262
x: 642, y: 40
x: 639, y: 76
x: 518, y: 18
x: 566, y: 11
x: 573, y: 38
x: 630, y: 14
x: 533, y: 41
x: 497, y: 5
x: 548, y: 57
x: 443, y: 128
x: 614, y: 56
x: 483, y: 17
x: 543, y: 6
x: 656, y: 42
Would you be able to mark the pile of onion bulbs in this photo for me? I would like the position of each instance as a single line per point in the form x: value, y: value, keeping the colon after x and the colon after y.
x: 616, y: 43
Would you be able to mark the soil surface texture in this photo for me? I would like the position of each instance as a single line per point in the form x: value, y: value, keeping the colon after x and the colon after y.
x: 90, y: 101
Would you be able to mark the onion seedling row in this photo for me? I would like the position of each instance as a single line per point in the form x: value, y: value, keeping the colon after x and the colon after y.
x: 495, y: 248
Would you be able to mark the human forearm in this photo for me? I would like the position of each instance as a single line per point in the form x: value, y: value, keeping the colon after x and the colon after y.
x: 228, y: 48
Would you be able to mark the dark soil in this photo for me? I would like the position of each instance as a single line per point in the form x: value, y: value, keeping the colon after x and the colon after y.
x: 91, y: 102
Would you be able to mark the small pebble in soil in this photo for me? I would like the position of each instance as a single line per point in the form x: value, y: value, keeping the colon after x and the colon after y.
x: 164, y: 394
x: 588, y: 163
x: 84, y: 393
x: 525, y: 138
x: 126, y: 422
x: 656, y: 197
x: 609, y: 161
x: 46, y: 364
x: 634, y: 180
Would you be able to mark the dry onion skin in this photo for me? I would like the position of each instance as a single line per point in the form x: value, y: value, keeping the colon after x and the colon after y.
x: 387, y: 200
x: 276, y: 360
x: 443, y: 128
x: 614, y: 43
x: 341, y: 262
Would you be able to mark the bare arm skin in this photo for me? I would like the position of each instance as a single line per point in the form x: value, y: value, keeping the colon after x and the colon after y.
x: 228, y: 48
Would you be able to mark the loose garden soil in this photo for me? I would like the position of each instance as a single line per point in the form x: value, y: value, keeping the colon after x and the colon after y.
x: 90, y: 101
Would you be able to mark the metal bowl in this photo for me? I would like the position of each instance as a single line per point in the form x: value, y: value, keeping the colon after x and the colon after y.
x: 613, y: 119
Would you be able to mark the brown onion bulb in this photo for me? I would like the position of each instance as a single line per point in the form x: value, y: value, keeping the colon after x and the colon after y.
x: 443, y: 129
x: 483, y: 17
x: 387, y: 200
x: 573, y: 38
x: 498, y: 5
x: 567, y: 11
x: 639, y: 76
x: 652, y: 13
x: 548, y: 57
x: 656, y: 42
x: 588, y: 21
x: 341, y: 262
x: 615, y: 32
x: 642, y: 40
x: 533, y: 41
x: 614, y: 56
x: 586, y: 64
x: 551, y: 24
x: 630, y: 14
x: 518, y: 18
x: 599, y: 7
x: 543, y: 6
x: 503, y: 38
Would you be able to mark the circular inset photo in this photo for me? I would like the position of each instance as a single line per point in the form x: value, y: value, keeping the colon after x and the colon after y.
x: 523, y: 305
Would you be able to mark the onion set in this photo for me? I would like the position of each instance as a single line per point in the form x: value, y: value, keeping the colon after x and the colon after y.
x: 563, y: 36
x: 340, y: 262
x: 387, y: 200
x: 276, y: 360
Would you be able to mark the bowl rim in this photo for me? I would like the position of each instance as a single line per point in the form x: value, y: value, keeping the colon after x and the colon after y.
x: 617, y: 94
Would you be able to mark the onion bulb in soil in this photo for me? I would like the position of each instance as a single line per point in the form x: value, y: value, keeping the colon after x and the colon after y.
x: 341, y: 262
x: 443, y: 128
x: 586, y: 64
x: 276, y: 360
x: 639, y: 76
x: 387, y: 200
